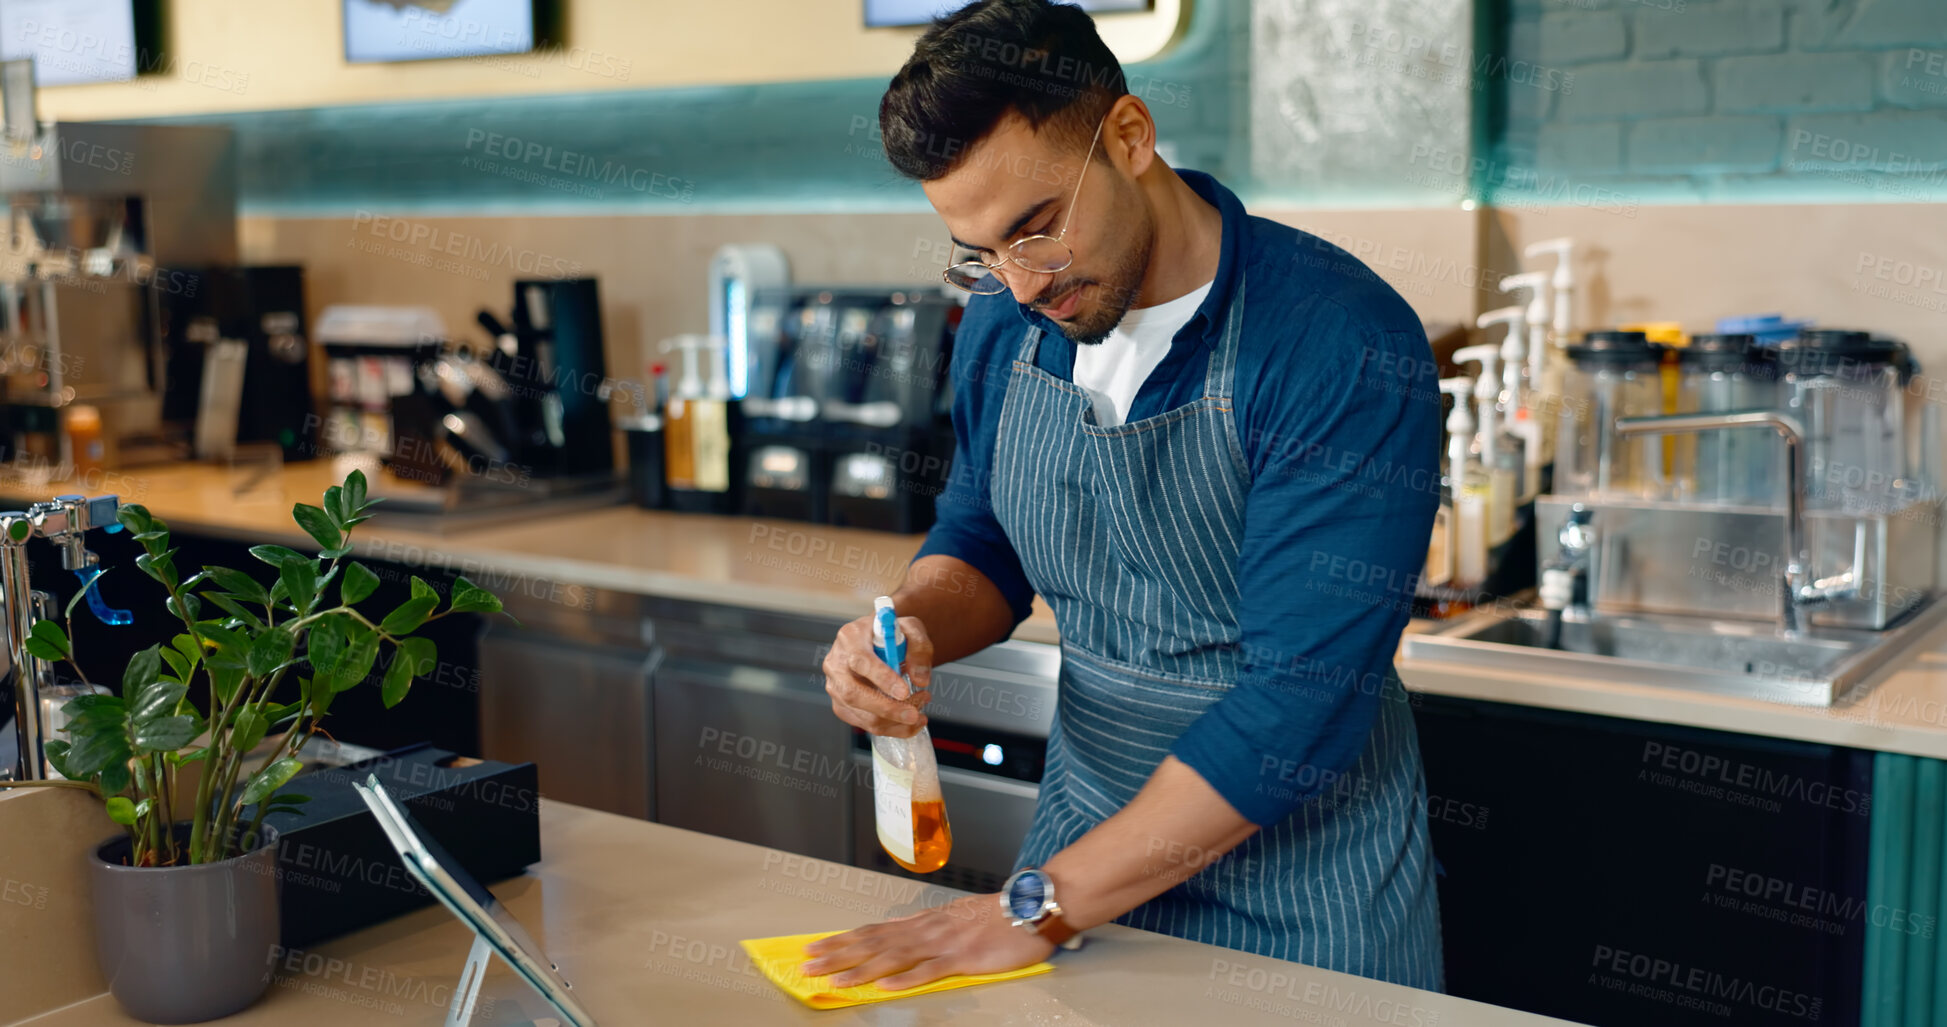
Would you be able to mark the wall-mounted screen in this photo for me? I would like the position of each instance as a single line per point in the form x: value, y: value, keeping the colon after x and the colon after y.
x: 71, y: 41
x: 886, y: 13
x: 417, y: 30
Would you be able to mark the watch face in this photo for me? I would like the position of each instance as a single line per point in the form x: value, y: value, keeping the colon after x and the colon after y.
x: 1026, y: 895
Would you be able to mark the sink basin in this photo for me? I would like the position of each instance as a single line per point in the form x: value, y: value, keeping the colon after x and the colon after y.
x: 1745, y: 658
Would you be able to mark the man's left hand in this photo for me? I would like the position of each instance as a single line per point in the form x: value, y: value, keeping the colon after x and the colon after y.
x: 966, y: 936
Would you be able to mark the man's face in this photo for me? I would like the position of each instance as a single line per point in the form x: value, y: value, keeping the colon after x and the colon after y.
x: 1015, y: 183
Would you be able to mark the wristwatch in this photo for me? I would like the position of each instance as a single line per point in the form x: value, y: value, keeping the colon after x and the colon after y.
x: 1028, y: 899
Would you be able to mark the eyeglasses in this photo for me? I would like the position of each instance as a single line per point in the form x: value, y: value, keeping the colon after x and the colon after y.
x: 1041, y: 254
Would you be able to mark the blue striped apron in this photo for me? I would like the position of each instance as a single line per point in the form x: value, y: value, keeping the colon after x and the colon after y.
x: 1131, y: 534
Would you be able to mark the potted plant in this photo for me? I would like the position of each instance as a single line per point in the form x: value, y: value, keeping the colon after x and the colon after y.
x: 186, y: 911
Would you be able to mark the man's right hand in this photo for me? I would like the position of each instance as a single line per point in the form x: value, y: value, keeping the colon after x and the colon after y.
x: 869, y: 695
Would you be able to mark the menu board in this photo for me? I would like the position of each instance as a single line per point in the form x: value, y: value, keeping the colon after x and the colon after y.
x: 416, y: 30
x: 918, y: 12
x: 71, y: 41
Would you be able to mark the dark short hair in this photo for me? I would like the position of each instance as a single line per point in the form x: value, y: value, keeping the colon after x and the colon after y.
x: 1039, y: 59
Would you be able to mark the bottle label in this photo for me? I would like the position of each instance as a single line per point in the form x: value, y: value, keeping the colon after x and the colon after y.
x: 892, y: 801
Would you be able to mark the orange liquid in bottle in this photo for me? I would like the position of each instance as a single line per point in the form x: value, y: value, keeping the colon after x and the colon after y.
x: 932, y: 838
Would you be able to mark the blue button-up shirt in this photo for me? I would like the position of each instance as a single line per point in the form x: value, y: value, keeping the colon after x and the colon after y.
x: 1338, y: 411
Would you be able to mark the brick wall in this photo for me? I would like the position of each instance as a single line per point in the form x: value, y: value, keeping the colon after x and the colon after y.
x: 1723, y: 100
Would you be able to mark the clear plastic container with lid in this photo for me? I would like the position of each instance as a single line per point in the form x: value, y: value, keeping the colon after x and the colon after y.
x: 1848, y: 390
x: 1611, y: 374
x: 1720, y: 373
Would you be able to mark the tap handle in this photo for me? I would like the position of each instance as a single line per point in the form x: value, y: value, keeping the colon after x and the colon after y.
x: 96, y: 604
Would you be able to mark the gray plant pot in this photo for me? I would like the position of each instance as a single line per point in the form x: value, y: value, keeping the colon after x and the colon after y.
x: 188, y: 943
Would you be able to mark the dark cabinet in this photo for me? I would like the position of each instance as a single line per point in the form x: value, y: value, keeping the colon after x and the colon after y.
x: 1618, y: 872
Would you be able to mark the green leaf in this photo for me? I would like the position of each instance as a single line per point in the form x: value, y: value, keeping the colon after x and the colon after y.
x: 238, y: 584
x: 334, y: 505
x: 360, y: 653
x: 232, y: 650
x: 287, y: 799
x: 142, y: 808
x: 355, y: 503
x: 269, y: 651
x: 114, y: 778
x: 134, y: 517
x: 300, y: 579
x: 422, y: 590
x: 121, y: 811
x: 317, y: 693
x: 398, y: 678
x: 276, y: 713
x: 248, y: 729
x: 81, y: 704
x: 156, y: 700
x: 326, y: 644
x: 318, y: 524
x: 42, y: 650
x: 178, y: 664
x: 83, y: 590
x: 177, y: 759
x: 160, y: 566
x: 56, y: 751
x: 165, y: 733
x: 277, y: 556
x: 224, y: 681
x: 359, y: 583
x: 100, y: 739
x: 421, y: 653
x: 185, y: 643
x: 270, y: 779
x: 471, y: 598
x: 409, y: 616
x: 143, y: 668
x: 193, y: 604
x: 235, y: 609
x: 49, y: 632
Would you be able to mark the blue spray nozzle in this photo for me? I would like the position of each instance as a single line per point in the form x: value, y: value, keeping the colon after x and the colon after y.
x: 112, y: 528
x: 892, y: 647
x: 98, y: 606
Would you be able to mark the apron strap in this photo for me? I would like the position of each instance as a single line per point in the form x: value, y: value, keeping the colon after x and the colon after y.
x: 1222, y: 367
x: 1030, y: 344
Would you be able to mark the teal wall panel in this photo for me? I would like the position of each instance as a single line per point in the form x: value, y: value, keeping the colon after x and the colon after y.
x: 801, y: 146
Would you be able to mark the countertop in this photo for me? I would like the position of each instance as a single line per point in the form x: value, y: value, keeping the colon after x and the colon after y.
x: 785, y: 566
x: 644, y: 920
x: 812, y: 569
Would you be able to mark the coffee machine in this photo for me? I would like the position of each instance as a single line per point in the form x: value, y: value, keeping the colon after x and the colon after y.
x: 846, y: 418
x: 254, y: 315
x: 103, y: 221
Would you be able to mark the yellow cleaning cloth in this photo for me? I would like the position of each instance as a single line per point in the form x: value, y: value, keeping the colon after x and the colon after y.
x: 779, y: 959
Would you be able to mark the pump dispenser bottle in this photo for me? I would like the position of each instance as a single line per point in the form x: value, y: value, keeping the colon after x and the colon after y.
x: 1467, y: 488
x: 1535, y: 402
x: 1498, y: 462
x: 906, y: 797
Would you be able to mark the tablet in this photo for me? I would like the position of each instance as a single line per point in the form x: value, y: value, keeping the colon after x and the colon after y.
x: 473, y: 904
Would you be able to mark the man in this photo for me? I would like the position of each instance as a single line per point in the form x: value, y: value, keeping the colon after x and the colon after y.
x: 1205, y: 440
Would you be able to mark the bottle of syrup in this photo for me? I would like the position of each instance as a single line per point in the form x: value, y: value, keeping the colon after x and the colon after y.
x: 906, y: 796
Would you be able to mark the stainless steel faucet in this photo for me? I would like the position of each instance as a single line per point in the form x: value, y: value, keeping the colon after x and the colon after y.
x: 1575, y: 547
x: 64, y: 521
x: 1796, y: 589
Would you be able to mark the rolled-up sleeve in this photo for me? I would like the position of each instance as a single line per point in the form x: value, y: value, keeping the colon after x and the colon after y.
x: 964, y: 524
x: 1345, y: 478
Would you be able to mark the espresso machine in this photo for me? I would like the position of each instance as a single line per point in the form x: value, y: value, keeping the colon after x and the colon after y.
x: 846, y: 418
x: 103, y: 222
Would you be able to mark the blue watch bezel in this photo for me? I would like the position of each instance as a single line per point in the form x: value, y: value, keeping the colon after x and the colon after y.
x: 1012, y: 901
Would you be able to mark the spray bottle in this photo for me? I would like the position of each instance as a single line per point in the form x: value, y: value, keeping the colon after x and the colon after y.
x: 906, y: 797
